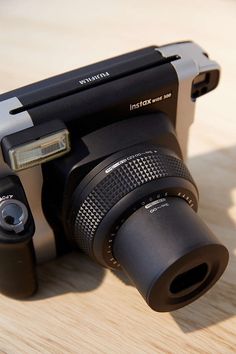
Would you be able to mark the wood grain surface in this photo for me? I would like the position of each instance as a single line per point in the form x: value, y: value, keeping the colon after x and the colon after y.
x: 81, y: 307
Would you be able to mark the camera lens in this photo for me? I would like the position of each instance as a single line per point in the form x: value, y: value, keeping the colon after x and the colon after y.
x: 136, y: 211
x: 169, y: 254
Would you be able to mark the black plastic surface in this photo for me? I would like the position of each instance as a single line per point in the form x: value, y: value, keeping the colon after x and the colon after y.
x: 105, y: 104
x: 17, y: 270
x: 156, y: 245
x: 52, y: 82
x: 133, y: 77
x: 17, y: 258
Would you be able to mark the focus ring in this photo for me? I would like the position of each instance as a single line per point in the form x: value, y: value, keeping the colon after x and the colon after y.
x: 115, y: 185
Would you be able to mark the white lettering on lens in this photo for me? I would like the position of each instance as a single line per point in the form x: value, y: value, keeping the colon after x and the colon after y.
x: 158, y: 207
x: 128, y: 158
x: 158, y: 201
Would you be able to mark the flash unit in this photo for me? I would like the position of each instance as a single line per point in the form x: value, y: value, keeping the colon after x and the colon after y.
x: 36, y: 145
x: 39, y: 151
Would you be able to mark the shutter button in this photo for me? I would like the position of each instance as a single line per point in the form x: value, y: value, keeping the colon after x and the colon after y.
x: 13, y: 215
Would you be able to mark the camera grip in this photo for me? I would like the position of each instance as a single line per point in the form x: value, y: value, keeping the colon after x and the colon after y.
x: 17, y: 269
x: 17, y: 256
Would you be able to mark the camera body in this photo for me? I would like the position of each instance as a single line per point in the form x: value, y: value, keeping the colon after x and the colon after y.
x: 88, y: 153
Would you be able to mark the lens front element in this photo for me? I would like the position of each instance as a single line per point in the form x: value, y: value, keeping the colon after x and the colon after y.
x: 170, y: 254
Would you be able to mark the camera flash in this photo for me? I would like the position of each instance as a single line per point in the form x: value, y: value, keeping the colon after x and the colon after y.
x: 39, y: 151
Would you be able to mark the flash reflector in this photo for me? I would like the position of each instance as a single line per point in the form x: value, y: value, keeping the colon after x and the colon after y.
x: 39, y: 151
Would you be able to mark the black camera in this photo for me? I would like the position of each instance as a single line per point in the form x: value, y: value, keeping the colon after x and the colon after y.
x: 94, y: 159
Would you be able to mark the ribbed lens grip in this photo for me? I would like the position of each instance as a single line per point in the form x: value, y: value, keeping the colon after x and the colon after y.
x: 128, y: 176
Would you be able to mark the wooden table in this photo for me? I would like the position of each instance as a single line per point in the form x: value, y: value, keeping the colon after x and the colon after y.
x: 81, y: 307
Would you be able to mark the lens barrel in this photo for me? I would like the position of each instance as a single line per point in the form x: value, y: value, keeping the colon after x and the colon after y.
x: 169, y: 253
x: 136, y: 210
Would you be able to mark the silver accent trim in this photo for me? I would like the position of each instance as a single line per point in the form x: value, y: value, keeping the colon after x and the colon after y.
x: 19, y: 227
x: 192, y: 62
x: 31, y: 179
x: 10, y: 124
